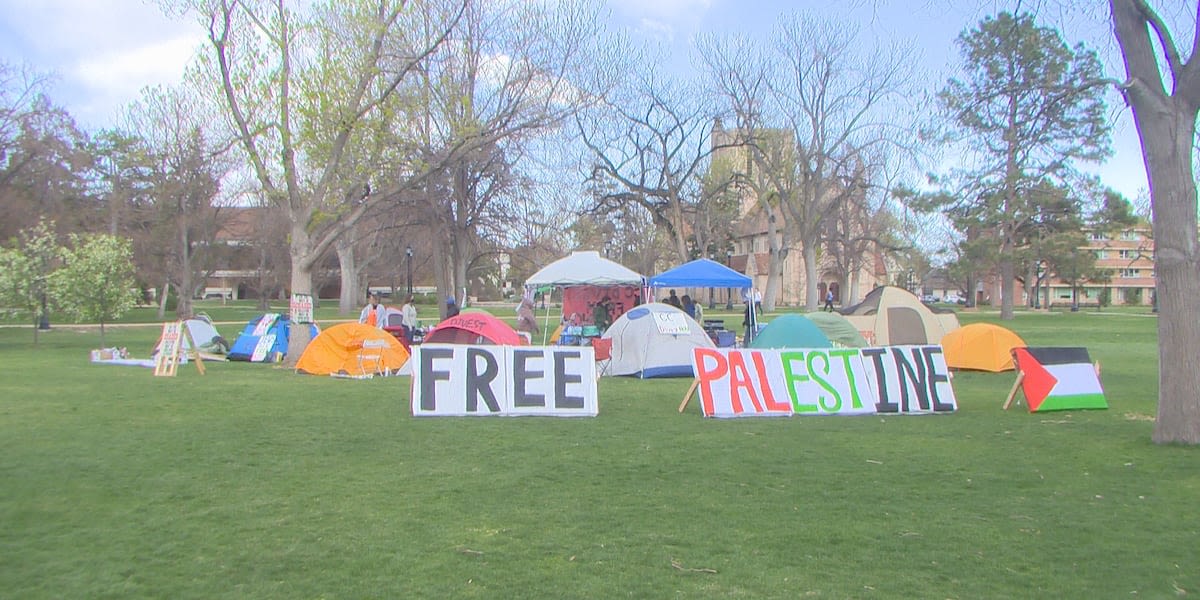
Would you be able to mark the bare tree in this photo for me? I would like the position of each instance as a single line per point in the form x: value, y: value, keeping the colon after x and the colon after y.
x: 806, y: 108
x: 512, y: 72
x: 653, y: 139
x: 1166, y: 124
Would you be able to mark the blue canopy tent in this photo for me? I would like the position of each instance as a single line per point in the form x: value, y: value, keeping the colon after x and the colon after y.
x: 705, y: 273
x: 701, y: 273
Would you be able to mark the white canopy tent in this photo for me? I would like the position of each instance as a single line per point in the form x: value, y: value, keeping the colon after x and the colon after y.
x: 585, y: 267
x: 582, y: 268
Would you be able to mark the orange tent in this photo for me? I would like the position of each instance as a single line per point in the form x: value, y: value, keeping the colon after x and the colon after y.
x: 339, y: 349
x: 981, y: 347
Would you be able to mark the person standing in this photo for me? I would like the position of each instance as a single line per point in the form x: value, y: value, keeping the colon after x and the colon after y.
x: 673, y: 300
x: 526, y: 320
x: 829, y: 301
x: 602, y: 315
x: 688, y: 306
x: 373, y: 313
x: 408, y: 318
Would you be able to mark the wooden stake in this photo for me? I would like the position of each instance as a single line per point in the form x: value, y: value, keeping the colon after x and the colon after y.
x: 687, y: 397
x: 1012, y: 394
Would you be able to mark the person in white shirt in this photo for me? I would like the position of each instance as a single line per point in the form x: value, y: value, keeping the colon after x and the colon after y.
x: 408, y: 317
x: 373, y: 313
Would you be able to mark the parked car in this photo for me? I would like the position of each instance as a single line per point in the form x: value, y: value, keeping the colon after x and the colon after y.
x: 930, y: 299
x: 953, y: 299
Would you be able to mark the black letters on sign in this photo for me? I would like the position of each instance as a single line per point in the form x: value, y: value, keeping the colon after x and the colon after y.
x: 908, y: 371
x: 429, y: 377
x: 480, y: 384
x: 935, y: 378
x: 521, y: 374
x: 562, y: 378
x: 876, y: 356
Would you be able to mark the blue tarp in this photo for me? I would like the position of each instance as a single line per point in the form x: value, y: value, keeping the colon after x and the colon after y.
x: 700, y: 273
x: 243, y: 348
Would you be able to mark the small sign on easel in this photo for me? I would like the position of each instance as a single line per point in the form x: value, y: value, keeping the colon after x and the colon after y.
x: 176, y: 341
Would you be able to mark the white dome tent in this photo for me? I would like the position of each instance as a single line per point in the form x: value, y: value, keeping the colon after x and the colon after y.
x: 655, y: 340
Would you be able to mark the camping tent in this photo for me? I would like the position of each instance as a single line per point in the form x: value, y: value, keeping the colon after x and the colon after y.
x: 892, y: 316
x: 791, y: 331
x: 655, y: 340
x: 337, y: 350
x: 474, y: 328
x: 839, y: 331
x: 588, y: 278
x: 264, y: 337
x: 208, y: 341
x: 981, y: 347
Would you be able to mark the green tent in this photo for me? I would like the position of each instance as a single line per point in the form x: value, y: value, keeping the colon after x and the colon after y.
x: 791, y: 331
x: 838, y: 329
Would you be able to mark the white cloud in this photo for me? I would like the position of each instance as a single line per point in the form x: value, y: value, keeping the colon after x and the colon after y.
x: 656, y: 29
x: 662, y: 10
x: 155, y: 62
x: 103, y: 53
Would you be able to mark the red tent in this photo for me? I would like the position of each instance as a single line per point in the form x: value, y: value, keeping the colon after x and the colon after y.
x: 474, y: 328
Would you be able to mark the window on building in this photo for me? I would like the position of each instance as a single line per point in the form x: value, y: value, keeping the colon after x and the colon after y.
x: 1100, y: 254
x: 1130, y: 236
x: 1098, y: 236
x: 1129, y: 273
x: 1128, y: 253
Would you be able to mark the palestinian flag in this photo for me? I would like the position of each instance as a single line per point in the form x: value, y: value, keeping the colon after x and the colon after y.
x: 1059, y: 379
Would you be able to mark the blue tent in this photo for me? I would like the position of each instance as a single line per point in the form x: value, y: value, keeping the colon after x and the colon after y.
x: 701, y: 273
x: 270, y: 324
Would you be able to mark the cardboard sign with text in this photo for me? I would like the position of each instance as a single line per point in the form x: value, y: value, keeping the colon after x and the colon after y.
x: 478, y: 381
x: 823, y: 381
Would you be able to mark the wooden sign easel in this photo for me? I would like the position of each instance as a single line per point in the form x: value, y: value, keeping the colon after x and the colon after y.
x: 171, y: 346
x: 1012, y: 394
x: 687, y: 396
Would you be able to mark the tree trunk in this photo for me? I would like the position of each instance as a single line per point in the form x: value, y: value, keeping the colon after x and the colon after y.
x: 442, y: 279
x: 1007, y: 272
x: 850, y: 296
x: 302, y: 278
x: 1177, y: 267
x: 774, y: 279
x: 351, y: 294
x: 183, y: 304
x: 678, y: 227
x: 162, y: 302
x: 810, y: 276
x: 1166, y: 126
x: 1030, y: 282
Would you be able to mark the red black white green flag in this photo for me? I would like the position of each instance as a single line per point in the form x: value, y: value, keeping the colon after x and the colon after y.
x: 1059, y: 379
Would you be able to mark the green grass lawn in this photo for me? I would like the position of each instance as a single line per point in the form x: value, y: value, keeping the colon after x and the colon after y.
x: 254, y: 482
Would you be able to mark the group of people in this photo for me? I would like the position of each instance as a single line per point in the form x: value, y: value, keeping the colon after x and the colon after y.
x: 375, y: 315
x: 693, y: 309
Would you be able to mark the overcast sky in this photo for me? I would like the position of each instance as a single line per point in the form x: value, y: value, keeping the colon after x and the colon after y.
x: 104, y: 52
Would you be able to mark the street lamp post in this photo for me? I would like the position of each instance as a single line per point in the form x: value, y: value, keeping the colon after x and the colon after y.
x: 408, y: 253
x: 729, y: 291
x: 1037, y: 288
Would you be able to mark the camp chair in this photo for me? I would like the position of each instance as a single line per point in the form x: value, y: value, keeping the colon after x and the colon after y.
x: 602, y: 347
x: 371, y: 353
